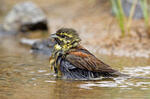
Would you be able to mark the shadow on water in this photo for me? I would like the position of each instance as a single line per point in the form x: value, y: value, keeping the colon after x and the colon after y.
x: 27, y: 76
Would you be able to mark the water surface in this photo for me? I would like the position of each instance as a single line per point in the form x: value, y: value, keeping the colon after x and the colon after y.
x: 26, y: 76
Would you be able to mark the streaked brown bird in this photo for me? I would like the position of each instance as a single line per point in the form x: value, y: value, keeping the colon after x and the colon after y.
x: 70, y: 60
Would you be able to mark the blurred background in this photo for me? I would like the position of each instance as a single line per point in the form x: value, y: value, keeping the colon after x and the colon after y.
x: 118, y: 24
x: 116, y: 31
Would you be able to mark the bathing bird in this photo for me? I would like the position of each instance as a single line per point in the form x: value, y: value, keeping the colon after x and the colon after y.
x: 70, y: 60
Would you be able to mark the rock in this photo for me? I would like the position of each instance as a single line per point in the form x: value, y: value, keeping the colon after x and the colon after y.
x: 3, y: 32
x: 43, y: 47
x: 24, y: 17
x: 127, y: 5
x: 39, y: 46
x: 29, y: 42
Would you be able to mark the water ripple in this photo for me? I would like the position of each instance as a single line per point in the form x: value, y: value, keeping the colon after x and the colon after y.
x: 137, y: 70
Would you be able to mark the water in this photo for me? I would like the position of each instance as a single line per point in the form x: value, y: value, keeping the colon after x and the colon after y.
x: 26, y: 76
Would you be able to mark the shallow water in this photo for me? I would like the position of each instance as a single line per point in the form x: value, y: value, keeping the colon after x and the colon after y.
x: 26, y: 76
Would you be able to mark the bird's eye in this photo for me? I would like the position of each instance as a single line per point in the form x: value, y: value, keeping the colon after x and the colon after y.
x: 62, y: 36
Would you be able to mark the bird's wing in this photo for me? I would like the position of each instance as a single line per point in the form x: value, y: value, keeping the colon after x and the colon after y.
x: 83, y: 59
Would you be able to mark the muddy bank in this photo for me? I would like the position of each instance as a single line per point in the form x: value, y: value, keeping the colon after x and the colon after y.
x: 104, y: 37
x: 97, y: 27
x: 100, y: 32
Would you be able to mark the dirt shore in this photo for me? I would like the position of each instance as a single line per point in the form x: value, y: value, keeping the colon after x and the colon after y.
x: 97, y: 27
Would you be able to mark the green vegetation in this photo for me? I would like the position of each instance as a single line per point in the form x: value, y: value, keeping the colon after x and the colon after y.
x: 144, y: 6
x: 117, y: 9
x: 131, y: 15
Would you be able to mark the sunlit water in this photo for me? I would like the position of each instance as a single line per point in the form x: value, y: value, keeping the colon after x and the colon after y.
x: 26, y: 76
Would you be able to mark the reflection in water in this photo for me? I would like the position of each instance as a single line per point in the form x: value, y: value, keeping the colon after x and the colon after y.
x: 26, y: 76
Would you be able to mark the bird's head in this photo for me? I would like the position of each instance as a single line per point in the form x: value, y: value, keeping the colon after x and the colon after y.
x: 66, y: 38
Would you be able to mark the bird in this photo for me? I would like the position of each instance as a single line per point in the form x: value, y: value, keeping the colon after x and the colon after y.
x: 70, y: 60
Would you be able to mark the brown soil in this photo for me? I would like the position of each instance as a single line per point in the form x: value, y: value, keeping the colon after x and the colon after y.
x: 97, y: 27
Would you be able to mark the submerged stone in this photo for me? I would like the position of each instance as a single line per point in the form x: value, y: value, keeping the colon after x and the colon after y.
x: 43, y: 47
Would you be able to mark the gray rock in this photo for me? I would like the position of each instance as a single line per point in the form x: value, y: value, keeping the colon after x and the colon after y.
x: 43, y: 47
x: 25, y: 16
x: 127, y: 5
x: 29, y: 42
x: 3, y: 32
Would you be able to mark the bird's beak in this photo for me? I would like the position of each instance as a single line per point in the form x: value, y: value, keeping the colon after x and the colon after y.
x: 54, y: 36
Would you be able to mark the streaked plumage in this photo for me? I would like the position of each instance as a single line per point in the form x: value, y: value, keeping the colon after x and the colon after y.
x: 71, y: 61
